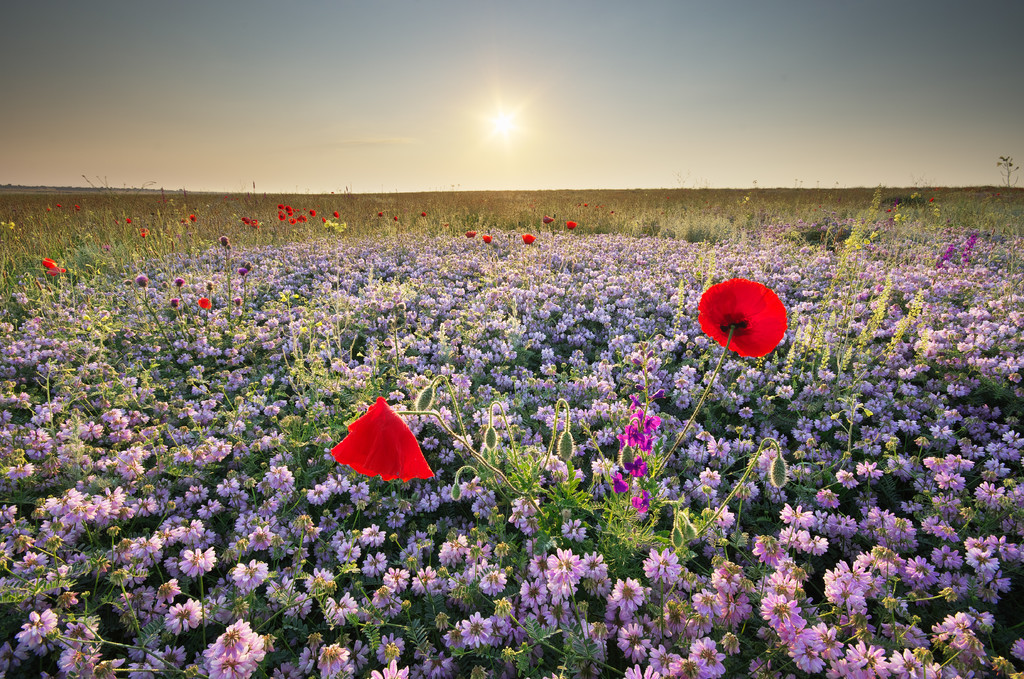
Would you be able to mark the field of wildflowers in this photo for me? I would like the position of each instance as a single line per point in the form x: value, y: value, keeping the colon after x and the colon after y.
x: 623, y: 436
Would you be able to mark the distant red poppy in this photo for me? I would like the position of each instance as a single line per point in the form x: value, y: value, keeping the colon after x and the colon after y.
x: 280, y: 206
x: 380, y: 214
x: 487, y: 239
x: 753, y: 312
x: 312, y: 213
x: 586, y: 205
x: 396, y: 218
x: 528, y: 238
x: 471, y: 234
x: 423, y: 214
x: 931, y: 200
x: 336, y: 215
x: 192, y: 218
x: 571, y: 225
x: 282, y: 216
x: 547, y: 220
x: 380, y: 443
x: 58, y: 204
x: 204, y: 303
x: 78, y: 207
x: 128, y: 220
x: 292, y: 220
x: 288, y: 209
x: 143, y: 232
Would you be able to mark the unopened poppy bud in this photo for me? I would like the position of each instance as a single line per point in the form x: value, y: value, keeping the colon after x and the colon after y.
x: 426, y: 397
x: 209, y: 287
x: 779, y: 473
x: 566, y: 446
x: 490, y: 438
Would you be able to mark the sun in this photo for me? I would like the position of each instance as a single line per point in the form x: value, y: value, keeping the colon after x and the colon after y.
x: 503, y: 124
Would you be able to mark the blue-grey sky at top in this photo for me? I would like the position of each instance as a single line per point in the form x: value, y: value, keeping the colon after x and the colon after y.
x: 401, y: 95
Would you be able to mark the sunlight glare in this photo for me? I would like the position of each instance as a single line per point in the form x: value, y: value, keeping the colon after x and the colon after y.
x: 504, y: 123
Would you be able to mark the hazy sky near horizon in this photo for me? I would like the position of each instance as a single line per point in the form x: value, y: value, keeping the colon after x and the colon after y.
x: 396, y: 95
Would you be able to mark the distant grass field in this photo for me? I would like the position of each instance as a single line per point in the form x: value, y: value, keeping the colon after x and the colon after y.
x: 101, y: 232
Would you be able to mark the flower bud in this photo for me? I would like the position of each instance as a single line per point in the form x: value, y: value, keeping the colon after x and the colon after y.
x: 490, y: 438
x: 566, y: 446
x: 779, y: 473
x: 426, y: 398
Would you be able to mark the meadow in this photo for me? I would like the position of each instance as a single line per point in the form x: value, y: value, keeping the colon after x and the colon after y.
x: 615, y: 487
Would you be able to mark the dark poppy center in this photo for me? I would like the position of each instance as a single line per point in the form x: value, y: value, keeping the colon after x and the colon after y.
x: 739, y: 325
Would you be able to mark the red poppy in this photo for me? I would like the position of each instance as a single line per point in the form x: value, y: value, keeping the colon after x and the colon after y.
x: 396, y: 218
x: 586, y: 205
x: 381, y: 443
x: 143, y: 232
x: 471, y: 234
x: 204, y: 303
x: 192, y: 218
x: 380, y: 214
x: 292, y: 220
x: 280, y: 206
x: 128, y: 220
x: 755, y: 314
x: 487, y: 239
x: 49, y: 263
x: 336, y: 215
x: 528, y: 238
x: 571, y: 225
x: 423, y: 214
x: 312, y: 213
x: 547, y: 220
x: 55, y: 271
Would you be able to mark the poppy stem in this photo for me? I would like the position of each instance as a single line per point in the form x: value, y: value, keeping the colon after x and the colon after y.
x: 750, y: 467
x: 464, y: 440
x: 689, y: 422
x: 554, y: 428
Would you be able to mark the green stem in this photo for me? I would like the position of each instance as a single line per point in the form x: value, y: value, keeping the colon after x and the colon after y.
x: 735, y: 489
x: 689, y: 423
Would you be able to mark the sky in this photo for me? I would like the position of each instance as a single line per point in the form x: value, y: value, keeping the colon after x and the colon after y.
x: 395, y: 95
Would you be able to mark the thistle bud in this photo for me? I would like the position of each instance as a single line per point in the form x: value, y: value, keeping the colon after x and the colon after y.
x: 566, y: 446
x: 426, y: 397
x: 779, y: 473
x: 490, y: 438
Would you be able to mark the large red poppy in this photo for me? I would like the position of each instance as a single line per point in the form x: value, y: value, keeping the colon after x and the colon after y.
x: 381, y: 443
x: 571, y: 225
x: 755, y: 314
x: 528, y: 238
x: 487, y: 239
x: 548, y: 220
